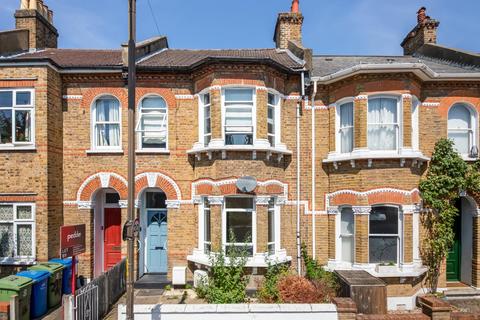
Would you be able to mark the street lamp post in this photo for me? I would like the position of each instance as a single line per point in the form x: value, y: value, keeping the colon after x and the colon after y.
x: 131, y: 153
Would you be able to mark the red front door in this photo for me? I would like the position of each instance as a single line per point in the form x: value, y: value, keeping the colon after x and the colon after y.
x: 112, y: 238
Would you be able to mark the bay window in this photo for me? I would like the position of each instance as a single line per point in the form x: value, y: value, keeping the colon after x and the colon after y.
x: 206, y: 113
x: 271, y: 227
x: 239, y: 116
x: 384, y: 235
x: 106, y: 123
x: 207, y: 236
x: 347, y: 234
x: 16, y: 117
x: 239, y: 221
x: 383, y: 123
x: 461, y: 128
x: 17, y: 231
x: 152, y: 125
x: 272, y: 110
x: 346, y: 127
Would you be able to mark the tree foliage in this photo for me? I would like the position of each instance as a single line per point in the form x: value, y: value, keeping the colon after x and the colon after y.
x: 448, y: 176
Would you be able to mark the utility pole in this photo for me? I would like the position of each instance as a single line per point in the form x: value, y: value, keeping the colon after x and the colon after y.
x: 131, y: 153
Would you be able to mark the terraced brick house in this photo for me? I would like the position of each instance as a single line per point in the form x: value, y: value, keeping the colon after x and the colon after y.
x: 342, y: 141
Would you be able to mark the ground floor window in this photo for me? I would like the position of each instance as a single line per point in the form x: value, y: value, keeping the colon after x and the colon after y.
x: 207, y: 236
x: 239, y: 222
x: 271, y: 227
x: 384, y: 235
x: 347, y: 234
x: 17, y: 231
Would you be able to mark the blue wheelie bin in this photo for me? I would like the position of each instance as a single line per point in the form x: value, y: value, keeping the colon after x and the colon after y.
x: 38, y: 299
x: 67, y: 274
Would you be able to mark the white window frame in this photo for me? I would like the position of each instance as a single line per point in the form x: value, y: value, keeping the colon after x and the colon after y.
x: 252, y: 211
x: 276, y: 119
x: 341, y: 235
x: 398, y: 125
x: 201, y: 116
x: 398, y: 235
x: 16, y: 222
x: 203, y: 241
x: 93, y: 129
x: 31, y: 108
x: 338, y: 140
x: 415, y: 123
x: 138, y: 131
x: 254, y: 112
x: 275, y: 209
x: 473, y: 125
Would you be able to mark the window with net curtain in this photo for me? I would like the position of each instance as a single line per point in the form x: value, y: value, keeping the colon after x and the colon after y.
x: 383, y: 124
x: 17, y: 236
x: 106, y: 123
x: 347, y: 234
x: 239, y: 116
x: 384, y: 236
x: 346, y: 127
x: 152, y: 126
x: 461, y: 128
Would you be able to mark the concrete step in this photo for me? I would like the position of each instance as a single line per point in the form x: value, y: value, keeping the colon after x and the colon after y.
x: 462, y: 293
x: 152, y: 281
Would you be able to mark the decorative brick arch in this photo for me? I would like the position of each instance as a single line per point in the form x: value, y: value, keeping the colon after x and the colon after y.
x: 373, y: 197
x: 157, y: 180
x: 102, y: 180
x: 225, y: 187
x: 93, y: 94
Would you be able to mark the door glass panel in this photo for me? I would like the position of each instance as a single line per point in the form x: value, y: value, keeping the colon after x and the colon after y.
x: 156, y: 200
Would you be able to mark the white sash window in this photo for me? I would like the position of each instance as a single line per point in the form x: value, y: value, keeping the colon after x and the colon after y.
x: 152, y: 125
x: 383, y: 123
x: 239, y: 120
x: 106, y: 123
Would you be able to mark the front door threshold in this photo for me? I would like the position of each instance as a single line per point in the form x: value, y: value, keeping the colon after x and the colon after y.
x: 152, y: 281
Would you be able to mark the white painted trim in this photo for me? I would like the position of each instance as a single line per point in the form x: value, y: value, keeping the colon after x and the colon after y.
x: 233, y: 181
x: 430, y: 104
x: 184, y: 97
x: 100, y: 175
x: 328, y: 196
x: 152, y: 178
x: 93, y: 139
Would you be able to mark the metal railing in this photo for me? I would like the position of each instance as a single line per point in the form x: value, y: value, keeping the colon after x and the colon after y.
x: 102, y: 292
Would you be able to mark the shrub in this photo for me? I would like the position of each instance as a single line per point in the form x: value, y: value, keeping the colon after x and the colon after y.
x: 268, y: 292
x: 296, y: 289
x: 227, y: 279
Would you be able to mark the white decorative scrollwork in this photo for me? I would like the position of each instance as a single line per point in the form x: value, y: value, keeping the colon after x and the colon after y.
x: 361, y: 209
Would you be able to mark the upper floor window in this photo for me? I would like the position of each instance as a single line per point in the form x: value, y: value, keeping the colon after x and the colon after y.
x: 17, y: 232
x: 384, y: 239
x: 239, y: 120
x: 415, y: 122
x: 461, y: 128
x: 345, y: 113
x: 106, y: 123
x: 16, y: 117
x: 205, y: 111
x: 273, y: 115
x: 383, y: 123
x: 152, y: 125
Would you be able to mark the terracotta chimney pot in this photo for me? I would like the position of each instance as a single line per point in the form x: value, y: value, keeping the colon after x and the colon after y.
x: 421, y: 15
x: 295, y: 6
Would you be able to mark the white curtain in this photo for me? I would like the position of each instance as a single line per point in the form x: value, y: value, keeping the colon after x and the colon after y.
x: 347, y: 234
x: 108, y: 122
x: 346, y: 127
x: 459, y: 128
x: 382, y: 124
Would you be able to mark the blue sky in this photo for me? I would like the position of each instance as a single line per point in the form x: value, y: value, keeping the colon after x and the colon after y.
x: 331, y: 26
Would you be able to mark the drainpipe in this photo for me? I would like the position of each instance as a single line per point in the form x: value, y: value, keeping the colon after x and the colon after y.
x: 299, y: 106
x: 314, y: 94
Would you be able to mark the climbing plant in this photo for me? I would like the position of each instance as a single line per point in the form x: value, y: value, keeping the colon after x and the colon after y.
x: 448, y: 175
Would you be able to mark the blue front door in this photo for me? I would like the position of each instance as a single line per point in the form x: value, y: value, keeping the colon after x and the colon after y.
x: 157, y: 241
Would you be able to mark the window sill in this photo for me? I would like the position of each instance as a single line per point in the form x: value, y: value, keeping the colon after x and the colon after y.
x: 257, y: 261
x: 259, y: 146
x: 17, y: 261
x: 467, y: 158
x: 153, y: 151
x: 10, y: 148
x: 364, y: 154
x: 104, y: 152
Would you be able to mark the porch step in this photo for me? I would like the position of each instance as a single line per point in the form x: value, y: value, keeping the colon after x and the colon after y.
x: 462, y: 293
x: 152, y: 281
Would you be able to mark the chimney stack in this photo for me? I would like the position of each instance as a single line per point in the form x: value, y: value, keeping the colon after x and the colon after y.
x: 35, y: 17
x: 289, y: 27
x: 424, y: 32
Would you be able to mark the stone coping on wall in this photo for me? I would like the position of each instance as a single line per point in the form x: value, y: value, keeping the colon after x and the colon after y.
x: 232, y: 311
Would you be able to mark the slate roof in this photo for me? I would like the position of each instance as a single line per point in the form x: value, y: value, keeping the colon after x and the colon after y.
x: 439, y: 59
x: 167, y: 59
